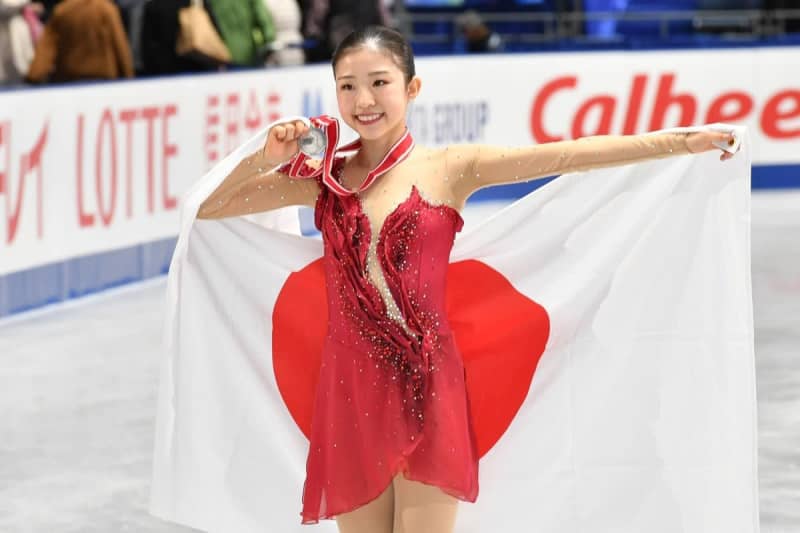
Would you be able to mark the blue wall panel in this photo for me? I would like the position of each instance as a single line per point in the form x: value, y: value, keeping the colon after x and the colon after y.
x: 80, y: 276
x: 93, y: 273
x: 32, y: 288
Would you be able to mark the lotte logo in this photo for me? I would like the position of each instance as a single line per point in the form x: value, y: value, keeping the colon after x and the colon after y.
x: 777, y: 117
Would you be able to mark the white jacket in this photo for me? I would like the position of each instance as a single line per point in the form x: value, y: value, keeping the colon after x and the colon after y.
x: 287, y: 19
x: 16, y: 43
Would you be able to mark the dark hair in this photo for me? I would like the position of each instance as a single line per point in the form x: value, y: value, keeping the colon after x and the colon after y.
x: 386, y: 39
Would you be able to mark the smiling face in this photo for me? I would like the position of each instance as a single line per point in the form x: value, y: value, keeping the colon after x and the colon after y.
x: 372, y: 93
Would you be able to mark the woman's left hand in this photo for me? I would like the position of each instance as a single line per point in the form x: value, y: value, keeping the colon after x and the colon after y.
x: 703, y: 141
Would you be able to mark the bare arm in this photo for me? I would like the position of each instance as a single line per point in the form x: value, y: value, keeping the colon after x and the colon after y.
x: 483, y: 166
x: 252, y: 188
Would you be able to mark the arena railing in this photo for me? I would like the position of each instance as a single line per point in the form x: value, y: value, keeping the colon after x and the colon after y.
x: 552, y: 27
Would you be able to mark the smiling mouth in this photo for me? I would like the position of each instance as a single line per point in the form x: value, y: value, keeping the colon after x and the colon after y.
x: 369, y: 119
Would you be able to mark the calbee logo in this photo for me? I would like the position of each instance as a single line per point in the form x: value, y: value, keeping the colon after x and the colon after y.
x: 647, y: 102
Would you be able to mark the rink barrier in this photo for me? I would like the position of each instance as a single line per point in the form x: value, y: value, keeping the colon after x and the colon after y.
x: 90, y: 176
x: 82, y: 276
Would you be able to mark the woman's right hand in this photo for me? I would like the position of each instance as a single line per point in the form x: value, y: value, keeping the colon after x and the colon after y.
x: 281, y: 144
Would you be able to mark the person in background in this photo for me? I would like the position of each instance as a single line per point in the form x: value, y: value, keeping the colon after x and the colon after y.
x: 49, y: 6
x: 158, y: 37
x: 330, y: 21
x: 83, y: 40
x: 790, y: 24
x: 132, y: 12
x: 287, y: 46
x: 246, y: 27
x: 17, y: 38
x: 479, y: 37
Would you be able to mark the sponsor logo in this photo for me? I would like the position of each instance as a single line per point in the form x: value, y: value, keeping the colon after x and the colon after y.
x: 778, y: 114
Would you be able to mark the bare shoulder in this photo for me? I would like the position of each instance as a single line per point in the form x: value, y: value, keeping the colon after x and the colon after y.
x: 442, y: 155
x: 425, y: 163
x: 452, y: 163
x: 422, y: 154
x: 432, y: 170
x: 440, y: 152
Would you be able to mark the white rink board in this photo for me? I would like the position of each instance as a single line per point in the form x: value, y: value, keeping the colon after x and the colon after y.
x: 95, y: 168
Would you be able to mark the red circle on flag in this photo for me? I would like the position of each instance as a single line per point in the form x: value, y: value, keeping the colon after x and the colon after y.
x: 500, y: 333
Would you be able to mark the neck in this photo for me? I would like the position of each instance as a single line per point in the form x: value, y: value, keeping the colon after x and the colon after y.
x: 373, y: 151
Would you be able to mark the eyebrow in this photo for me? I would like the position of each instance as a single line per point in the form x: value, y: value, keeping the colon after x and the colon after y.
x: 375, y: 73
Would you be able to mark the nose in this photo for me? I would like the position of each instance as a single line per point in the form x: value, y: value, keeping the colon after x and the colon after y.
x: 364, y: 99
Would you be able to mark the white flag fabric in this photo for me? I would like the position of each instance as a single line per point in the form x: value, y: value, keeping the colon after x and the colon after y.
x: 640, y: 415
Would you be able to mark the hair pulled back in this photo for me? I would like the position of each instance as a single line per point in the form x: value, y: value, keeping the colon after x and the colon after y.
x: 381, y: 38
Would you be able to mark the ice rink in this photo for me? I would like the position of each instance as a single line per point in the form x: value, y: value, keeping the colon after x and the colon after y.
x: 78, y: 386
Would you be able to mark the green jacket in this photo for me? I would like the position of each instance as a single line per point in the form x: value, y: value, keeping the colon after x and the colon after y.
x: 246, y: 27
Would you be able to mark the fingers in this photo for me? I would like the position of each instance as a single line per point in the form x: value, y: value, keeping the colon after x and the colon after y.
x: 726, y: 138
x: 279, y: 132
x: 721, y: 138
x: 281, y: 143
x: 725, y: 141
x: 289, y: 131
x: 300, y: 128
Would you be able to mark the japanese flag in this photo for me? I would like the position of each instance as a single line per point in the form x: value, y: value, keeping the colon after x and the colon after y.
x: 605, y: 321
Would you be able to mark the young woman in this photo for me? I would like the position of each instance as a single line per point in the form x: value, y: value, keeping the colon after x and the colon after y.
x: 391, y: 448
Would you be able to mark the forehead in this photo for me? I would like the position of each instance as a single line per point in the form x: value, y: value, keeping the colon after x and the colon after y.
x: 363, y: 60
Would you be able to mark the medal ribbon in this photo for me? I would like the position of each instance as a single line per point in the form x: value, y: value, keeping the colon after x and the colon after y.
x: 297, y: 168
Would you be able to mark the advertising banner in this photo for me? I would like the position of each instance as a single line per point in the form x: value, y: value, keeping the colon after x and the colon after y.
x: 94, y: 168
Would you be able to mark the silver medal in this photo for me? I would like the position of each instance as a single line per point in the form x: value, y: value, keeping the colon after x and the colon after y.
x: 313, y: 142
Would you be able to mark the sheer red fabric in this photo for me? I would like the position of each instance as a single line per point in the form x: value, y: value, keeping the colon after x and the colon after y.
x: 391, y: 396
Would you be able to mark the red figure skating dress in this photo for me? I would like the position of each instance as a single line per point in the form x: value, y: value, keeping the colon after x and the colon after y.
x: 391, y: 396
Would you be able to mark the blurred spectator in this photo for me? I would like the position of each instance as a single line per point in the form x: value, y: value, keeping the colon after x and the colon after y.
x: 792, y: 24
x: 19, y: 27
x: 159, y: 37
x: 477, y: 34
x: 330, y: 21
x: 132, y: 12
x: 246, y: 27
x: 287, y: 46
x: 49, y: 5
x: 83, y: 40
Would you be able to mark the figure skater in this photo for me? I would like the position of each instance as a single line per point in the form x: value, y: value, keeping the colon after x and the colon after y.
x: 391, y: 447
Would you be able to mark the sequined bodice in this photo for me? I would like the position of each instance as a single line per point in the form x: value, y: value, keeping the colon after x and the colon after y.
x: 386, y: 285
